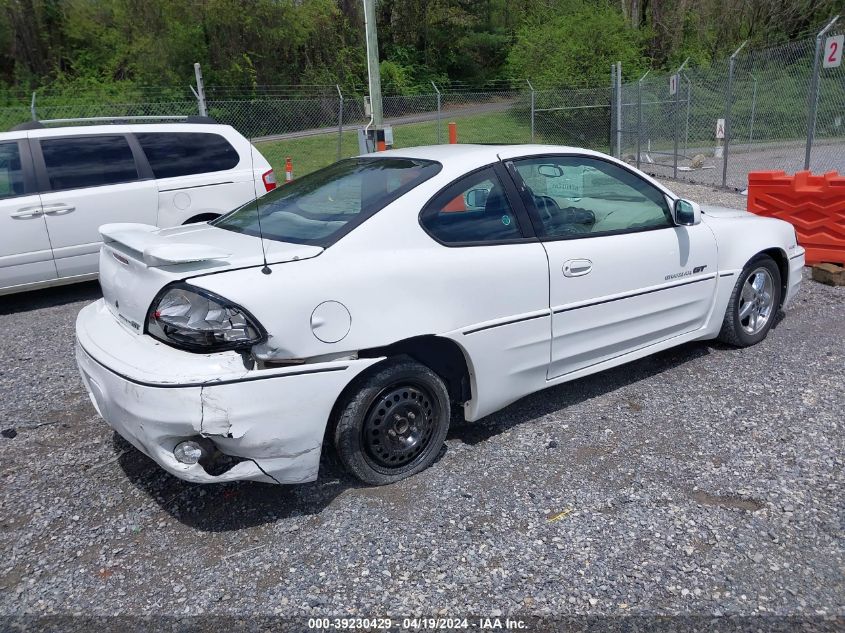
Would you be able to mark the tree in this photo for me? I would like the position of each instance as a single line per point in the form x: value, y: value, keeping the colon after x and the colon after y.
x: 574, y: 42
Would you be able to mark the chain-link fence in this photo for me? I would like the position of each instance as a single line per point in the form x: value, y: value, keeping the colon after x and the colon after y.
x: 776, y: 108
x: 317, y: 130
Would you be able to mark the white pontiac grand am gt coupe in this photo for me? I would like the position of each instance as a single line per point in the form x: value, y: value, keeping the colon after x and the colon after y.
x: 398, y: 284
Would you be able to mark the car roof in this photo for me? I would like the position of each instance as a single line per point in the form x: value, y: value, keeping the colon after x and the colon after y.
x: 465, y: 157
x: 111, y: 128
x: 468, y: 156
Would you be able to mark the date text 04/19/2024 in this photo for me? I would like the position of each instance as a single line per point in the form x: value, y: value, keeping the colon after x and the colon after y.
x: 417, y: 624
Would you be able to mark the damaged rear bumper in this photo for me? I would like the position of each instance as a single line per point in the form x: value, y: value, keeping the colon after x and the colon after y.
x: 271, y: 422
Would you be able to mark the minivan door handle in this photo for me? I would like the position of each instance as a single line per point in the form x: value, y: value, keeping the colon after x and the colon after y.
x: 27, y: 212
x: 576, y: 267
x: 58, y: 209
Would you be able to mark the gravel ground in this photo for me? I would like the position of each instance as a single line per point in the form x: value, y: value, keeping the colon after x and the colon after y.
x: 702, y: 480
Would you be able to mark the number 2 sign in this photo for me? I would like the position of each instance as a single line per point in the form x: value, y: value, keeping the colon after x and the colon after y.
x: 833, y: 51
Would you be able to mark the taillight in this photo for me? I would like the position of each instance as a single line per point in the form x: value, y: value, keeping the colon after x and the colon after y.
x: 269, y: 179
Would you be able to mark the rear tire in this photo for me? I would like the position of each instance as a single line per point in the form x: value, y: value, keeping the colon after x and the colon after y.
x: 394, y: 422
x: 754, y: 303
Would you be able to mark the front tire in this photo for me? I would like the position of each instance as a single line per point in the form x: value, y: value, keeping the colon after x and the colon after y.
x: 394, y: 422
x: 753, y: 304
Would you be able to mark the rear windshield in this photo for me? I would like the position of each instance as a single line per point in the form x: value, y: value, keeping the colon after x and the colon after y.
x: 323, y: 206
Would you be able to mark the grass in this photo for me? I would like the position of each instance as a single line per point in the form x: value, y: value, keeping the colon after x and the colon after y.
x: 313, y: 152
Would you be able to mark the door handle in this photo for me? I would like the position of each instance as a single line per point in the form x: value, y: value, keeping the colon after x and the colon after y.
x: 58, y: 209
x: 27, y: 212
x: 576, y: 267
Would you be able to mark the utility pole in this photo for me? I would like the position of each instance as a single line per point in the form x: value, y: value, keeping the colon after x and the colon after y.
x: 376, y: 119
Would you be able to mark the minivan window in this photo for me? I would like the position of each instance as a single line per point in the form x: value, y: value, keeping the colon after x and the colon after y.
x: 323, y: 206
x: 184, y: 153
x: 11, y: 173
x: 88, y: 161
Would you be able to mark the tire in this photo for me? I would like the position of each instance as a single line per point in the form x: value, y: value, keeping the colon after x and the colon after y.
x: 393, y: 423
x: 750, y: 311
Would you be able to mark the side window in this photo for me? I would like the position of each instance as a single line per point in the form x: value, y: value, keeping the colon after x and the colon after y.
x: 473, y: 209
x: 184, y: 153
x: 577, y: 195
x: 11, y: 172
x: 88, y: 161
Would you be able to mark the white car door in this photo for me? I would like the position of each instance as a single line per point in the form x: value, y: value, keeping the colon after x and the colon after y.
x: 88, y: 180
x: 25, y: 254
x: 622, y: 276
x: 494, y: 264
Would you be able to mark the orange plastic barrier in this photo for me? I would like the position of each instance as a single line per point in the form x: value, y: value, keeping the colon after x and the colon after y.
x: 814, y: 205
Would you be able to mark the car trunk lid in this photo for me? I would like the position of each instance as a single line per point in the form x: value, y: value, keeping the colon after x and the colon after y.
x: 138, y: 260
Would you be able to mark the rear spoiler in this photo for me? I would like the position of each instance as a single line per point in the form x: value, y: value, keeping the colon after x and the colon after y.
x: 155, y: 251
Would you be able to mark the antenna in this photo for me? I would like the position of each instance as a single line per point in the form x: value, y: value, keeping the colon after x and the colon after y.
x: 266, y: 270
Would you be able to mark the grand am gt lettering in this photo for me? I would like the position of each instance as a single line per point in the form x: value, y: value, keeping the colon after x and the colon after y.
x: 686, y: 273
x: 353, y: 307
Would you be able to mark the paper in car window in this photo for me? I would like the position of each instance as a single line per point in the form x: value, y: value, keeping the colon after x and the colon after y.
x: 569, y: 185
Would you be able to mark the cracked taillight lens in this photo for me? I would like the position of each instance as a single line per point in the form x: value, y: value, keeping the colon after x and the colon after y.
x: 197, y: 320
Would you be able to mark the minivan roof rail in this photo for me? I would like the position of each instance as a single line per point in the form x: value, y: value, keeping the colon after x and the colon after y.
x: 41, y: 123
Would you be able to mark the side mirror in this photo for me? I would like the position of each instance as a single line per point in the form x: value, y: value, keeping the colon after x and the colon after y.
x: 476, y: 198
x: 686, y: 212
x: 550, y: 171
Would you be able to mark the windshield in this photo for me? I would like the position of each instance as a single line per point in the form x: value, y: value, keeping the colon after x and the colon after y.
x: 323, y: 206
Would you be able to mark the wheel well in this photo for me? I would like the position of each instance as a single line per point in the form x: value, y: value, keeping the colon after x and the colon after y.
x: 443, y: 356
x: 202, y: 217
x: 783, y: 266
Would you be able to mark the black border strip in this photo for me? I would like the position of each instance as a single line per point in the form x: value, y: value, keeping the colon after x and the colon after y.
x: 797, y: 256
x: 211, y: 184
x: 511, y: 322
x: 726, y: 274
x: 635, y: 294
x: 302, y: 372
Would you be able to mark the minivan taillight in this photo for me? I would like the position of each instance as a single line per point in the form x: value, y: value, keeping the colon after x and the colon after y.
x: 269, y: 179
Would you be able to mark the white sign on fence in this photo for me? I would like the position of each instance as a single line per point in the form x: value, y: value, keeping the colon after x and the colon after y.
x: 720, y: 128
x: 673, y: 84
x: 833, y: 51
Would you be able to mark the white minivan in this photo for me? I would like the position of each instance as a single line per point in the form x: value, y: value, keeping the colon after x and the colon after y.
x: 58, y: 185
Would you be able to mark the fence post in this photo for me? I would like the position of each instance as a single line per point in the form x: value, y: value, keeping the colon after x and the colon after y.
x: 339, y: 123
x: 612, y: 109
x: 814, y: 93
x: 32, y: 107
x: 675, y: 117
x: 619, y: 110
x: 531, y: 88
x: 728, y: 100
x: 753, y: 106
x: 686, y: 129
x: 439, y: 125
x: 640, y: 115
x: 200, y: 91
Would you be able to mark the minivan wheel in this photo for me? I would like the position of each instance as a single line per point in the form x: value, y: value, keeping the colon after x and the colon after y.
x: 394, y: 422
x: 753, y: 304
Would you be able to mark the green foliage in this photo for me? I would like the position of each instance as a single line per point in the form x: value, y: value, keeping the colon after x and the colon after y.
x: 110, y: 47
x: 572, y: 42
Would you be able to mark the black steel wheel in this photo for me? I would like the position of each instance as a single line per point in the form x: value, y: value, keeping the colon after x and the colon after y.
x: 398, y: 426
x: 393, y: 423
